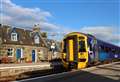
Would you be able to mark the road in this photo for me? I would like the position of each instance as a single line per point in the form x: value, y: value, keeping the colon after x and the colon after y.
x: 102, y: 73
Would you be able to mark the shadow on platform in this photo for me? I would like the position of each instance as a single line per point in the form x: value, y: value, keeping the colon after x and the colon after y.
x: 77, y: 76
x: 82, y: 76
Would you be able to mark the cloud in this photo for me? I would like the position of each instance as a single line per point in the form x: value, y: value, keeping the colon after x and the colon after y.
x: 16, y: 15
x: 49, y: 26
x: 105, y: 33
x: 19, y: 16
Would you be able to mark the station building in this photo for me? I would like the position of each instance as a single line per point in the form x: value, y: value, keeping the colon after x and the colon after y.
x: 18, y: 45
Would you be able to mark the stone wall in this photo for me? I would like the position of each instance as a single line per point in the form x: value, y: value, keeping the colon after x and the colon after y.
x: 41, y: 53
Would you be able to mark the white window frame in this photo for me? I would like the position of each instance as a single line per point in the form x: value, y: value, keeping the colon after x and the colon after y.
x: 22, y: 54
x: 12, y: 52
x: 0, y: 40
x: 37, y: 39
x: 14, y: 38
x: 35, y: 55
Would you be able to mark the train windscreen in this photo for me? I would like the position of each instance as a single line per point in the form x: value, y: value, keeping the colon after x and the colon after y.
x: 82, y: 46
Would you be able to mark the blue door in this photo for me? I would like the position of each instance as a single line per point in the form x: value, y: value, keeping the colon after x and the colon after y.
x: 18, y: 53
x: 33, y: 55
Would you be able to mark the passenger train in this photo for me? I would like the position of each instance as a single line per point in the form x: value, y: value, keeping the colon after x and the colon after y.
x: 80, y: 50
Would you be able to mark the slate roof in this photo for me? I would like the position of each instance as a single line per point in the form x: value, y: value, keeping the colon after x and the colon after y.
x: 25, y: 37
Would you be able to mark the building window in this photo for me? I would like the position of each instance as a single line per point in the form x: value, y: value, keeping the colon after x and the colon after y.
x: 30, y: 34
x: 14, y: 37
x: 37, y: 39
x: 10, y: 52
x: 0, y: 40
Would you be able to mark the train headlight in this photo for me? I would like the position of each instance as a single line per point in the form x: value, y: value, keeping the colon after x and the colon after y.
x: 63, y: 55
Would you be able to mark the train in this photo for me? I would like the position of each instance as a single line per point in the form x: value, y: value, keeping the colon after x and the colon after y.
x: 80, y: 50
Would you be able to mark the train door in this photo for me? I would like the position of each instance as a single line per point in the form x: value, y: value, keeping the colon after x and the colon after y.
x: 83, y: 52
x: 103, y: 55
x: 72, y: 51
x: 92, y: 50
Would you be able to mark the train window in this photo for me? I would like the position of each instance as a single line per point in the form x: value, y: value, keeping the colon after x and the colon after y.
x: 91, y: 47
x: 113, y: 50
x: 82, y: 46
x: 64, y: 48
x: 101, y: 48
x: 107, y: 50
x: 81, y: 38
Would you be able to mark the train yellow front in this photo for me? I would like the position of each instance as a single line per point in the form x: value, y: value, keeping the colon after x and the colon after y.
x: 80, y: 50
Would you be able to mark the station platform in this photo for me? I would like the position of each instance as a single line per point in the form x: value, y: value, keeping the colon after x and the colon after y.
x: 102, y: 73
x: 25, y: 65
x: 21, y: 70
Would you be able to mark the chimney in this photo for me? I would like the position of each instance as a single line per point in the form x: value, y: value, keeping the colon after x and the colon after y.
x: 36, y: 28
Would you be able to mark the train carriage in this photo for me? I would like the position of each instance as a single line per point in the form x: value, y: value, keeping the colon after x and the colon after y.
x: 81, y: 50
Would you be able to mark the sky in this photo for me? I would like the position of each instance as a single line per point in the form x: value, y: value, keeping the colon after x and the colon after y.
x: 97, y: 17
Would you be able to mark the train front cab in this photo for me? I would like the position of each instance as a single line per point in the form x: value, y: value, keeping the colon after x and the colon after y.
x: 75, y: 51
x: 83, y: 51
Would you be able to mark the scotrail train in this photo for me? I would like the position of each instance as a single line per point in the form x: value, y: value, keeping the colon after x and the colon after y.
x: 80, y: 50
